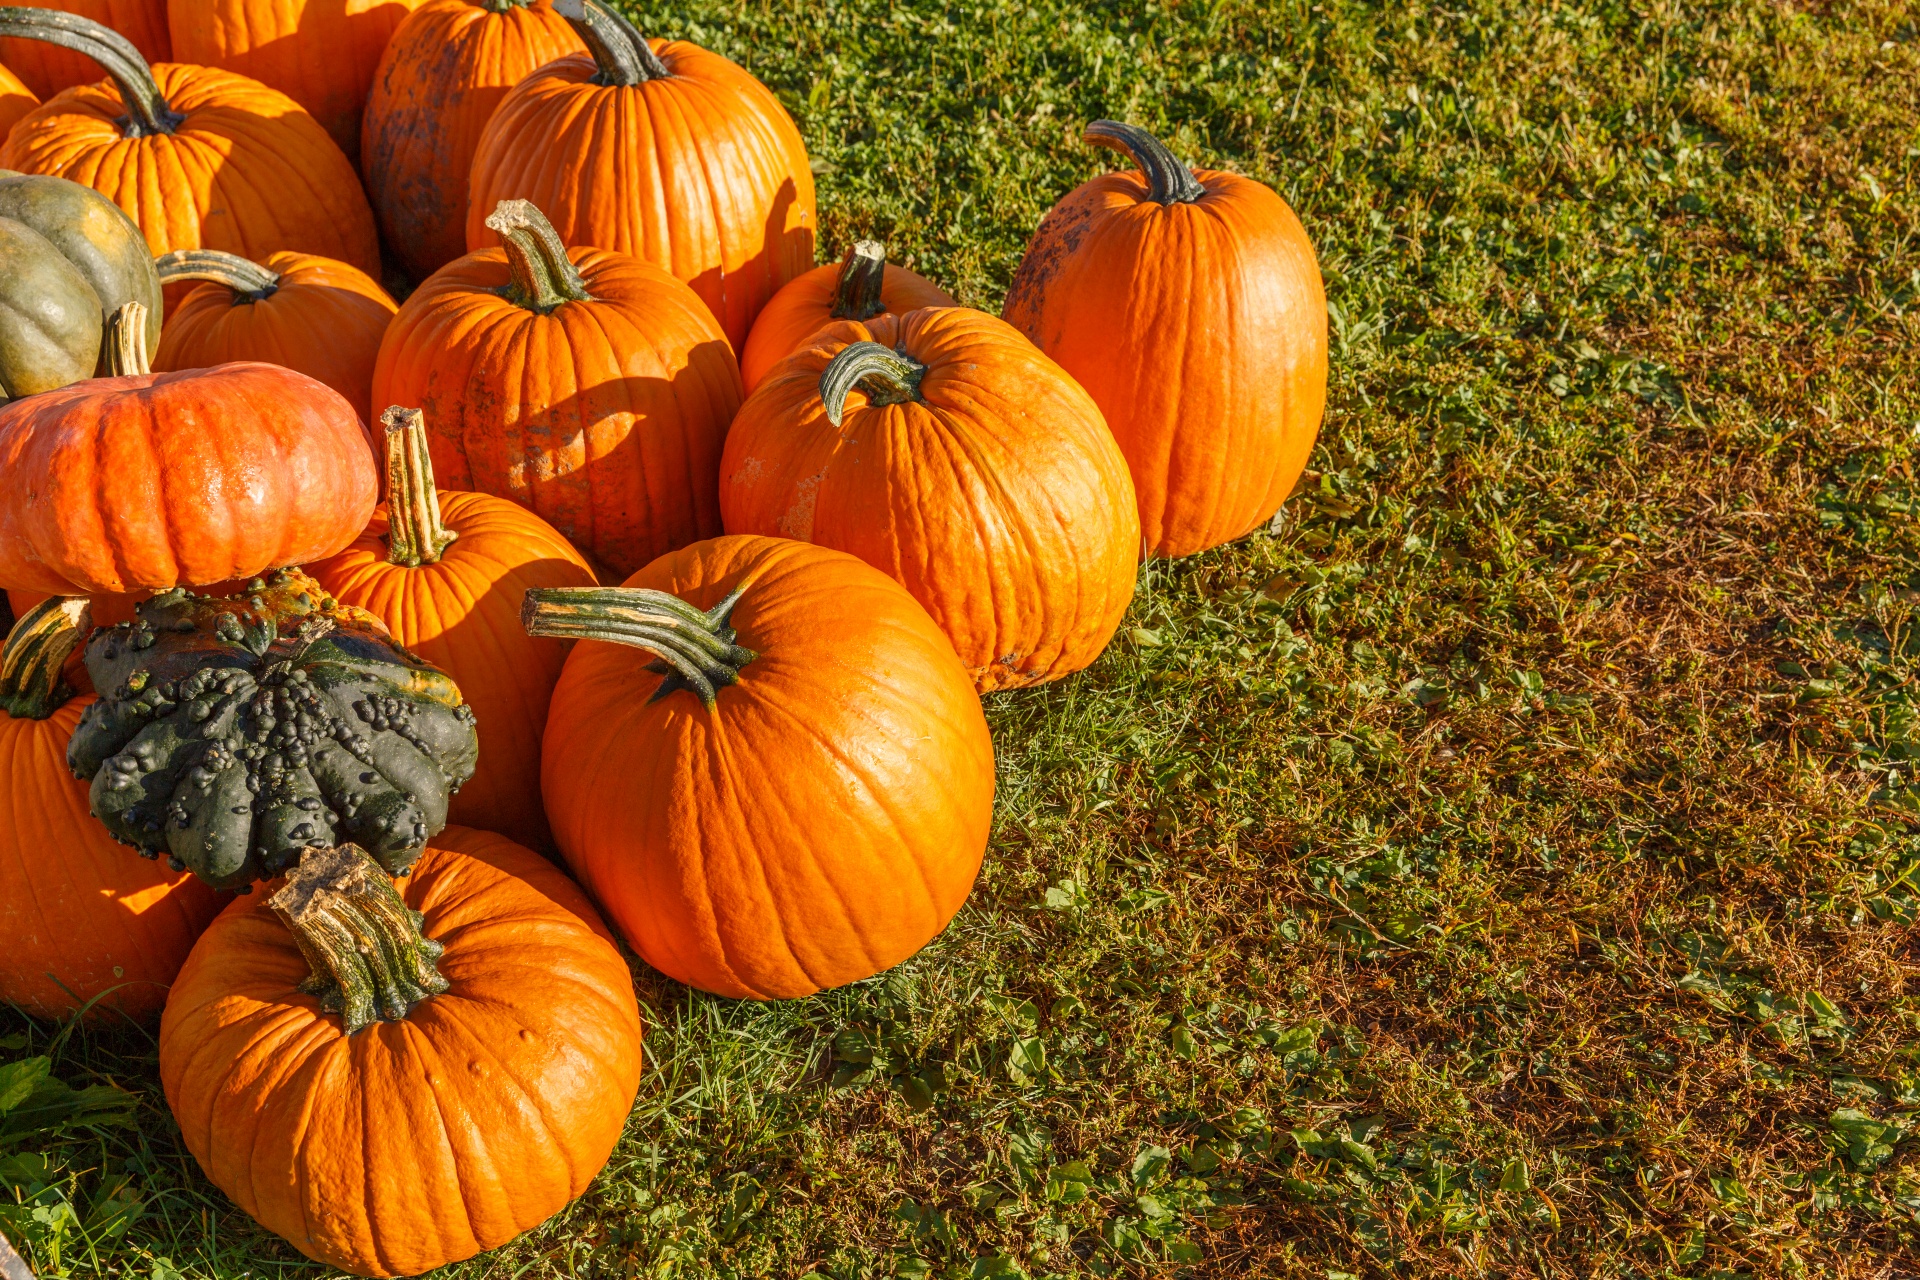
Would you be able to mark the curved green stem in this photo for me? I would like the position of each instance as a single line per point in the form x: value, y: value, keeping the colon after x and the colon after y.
x: 35, y: 652
x: 621, y: 52
x: 856, y: 294
x: 505, y: 6
x: 369, y: 959
x: 249, y: 281
x: 1168, y: 181
x: 696, y: 649
x: 147, y: 109
x: 126, y: 341
x: 415, y: 535
x: 887, y: 376
x: 543, y: 276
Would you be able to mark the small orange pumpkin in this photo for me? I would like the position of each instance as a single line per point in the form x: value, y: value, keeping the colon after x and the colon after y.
x: 446, y: 572
x: 942, y: 448
x: 311, y: 314
x: 1189, y: 305
x: 862, y: 286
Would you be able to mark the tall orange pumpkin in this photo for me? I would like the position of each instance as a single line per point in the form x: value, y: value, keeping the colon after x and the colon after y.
x: 81, y: 916
x: 586, y: 385
x: 320, y: 53
x: 661, y: 150
x: 444, y: 74
x: 861, y: 286
x: 198, y: 158
x: 16, y: 100
x: 943, y: 449
x: 308, y: 313
x: 446, y: 573
x: 47, y: 69
x: 392, y: 1110
x: 1189, y: 305
x: 765, y: 763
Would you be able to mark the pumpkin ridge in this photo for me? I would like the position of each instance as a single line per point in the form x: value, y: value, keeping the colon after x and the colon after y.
x: 422, y: 1052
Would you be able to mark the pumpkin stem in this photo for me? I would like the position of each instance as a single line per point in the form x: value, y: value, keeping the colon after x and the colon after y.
x: 1168, y: 181
x: 696, y: 649
x: 544, y: 278
x: 619, y: 50
x: 369, y: 959
x: 126, y: 341
x: 35, y: 652
x: 415, y: 535
x: 887, y: 376
x: 147, y: 109
x: 856, y: 295
x: 249, y: 281
x: 505, y: 6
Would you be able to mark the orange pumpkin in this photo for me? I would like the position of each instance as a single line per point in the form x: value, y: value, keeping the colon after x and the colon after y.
x: 47, y: 69
x: 82, y: 917
x: 588, y: 386
x: 145, y: 481
x: 445, y: 572
x: 389, y: 1118
x: 1189, y: 305
x: 16, y: 100
x: 444, y: 74
x: 775, y: 777
x: 660, y: 150
x: 198, y: 158
x: 862, y: 286
x: 966, y: 465
x: 320, y: 53
x: 312, y: 314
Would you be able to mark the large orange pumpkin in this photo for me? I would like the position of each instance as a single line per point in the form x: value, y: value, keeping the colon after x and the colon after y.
x: 444, y: 74
x: 775, y: 778
x: 81, y: 916
x: 155, y: 480
x: 966, y: 465
x: 587, y: 385
x: 16, y: 100
x: 320, y: 53
x: 47, y: 69
x: 312, y: 314
x: 1189, y: 305
x: 446, y: 573
x: 863, y: 285
x: 198, y: 158
x: 390, y: 1116
x: 661, y: 150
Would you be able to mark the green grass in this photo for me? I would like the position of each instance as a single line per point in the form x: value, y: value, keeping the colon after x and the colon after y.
x: 1502, y: 868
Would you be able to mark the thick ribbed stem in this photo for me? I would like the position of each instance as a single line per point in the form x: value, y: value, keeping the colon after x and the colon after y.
x: 369, y: 959
x: 147, y: 109
x: 621, y: 52
x: 887, y: 376
x: 1168, y: 181
x: 696, y: 649
x: 126, y: 341
x: 543, y: 276
x: 505, y: 6
x: 34, y: 653
x: 249, y: 281
x: 415, y: 535
x: 856, y: 295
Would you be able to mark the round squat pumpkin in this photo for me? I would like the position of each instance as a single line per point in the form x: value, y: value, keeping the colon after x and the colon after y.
x: 661, y: 150
x: 46, y: 69
x: 590, y: 387
x: 765, y: 762
x: 863, y: 285
x: 83, y: 918
x: 943, y: 449
x: 446, y: 572
x: 310, y: 314
x: 1189, y: 305
x: 389, y: 1118
x: 443, y: 76
x: 199, y: 158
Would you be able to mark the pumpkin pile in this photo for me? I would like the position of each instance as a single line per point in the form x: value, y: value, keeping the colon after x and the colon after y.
x: 605, y: 533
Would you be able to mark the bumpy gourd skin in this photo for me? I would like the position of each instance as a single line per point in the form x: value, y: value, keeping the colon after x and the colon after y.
x: 232, y: 733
